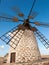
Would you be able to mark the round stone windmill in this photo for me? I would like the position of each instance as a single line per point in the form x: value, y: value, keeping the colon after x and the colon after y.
x: 22, y: 40
x: 24, y: 44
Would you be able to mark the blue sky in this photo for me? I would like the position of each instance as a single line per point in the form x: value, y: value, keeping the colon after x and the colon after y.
x: 41, y: 6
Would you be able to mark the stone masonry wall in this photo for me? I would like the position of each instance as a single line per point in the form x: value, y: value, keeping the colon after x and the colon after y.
x: 27, y: 49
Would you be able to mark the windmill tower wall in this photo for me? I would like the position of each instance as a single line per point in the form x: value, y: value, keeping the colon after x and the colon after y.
x: 27, y: 48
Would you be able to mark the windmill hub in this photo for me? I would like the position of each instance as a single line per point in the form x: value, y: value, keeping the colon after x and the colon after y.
x: 26, y: 21
x: 26, y: 24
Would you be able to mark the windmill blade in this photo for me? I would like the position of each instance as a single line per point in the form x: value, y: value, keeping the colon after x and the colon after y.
x: 39, y: 24
x: 13, y: 19
x: 21, y: 14
x: 33, y: 29
x: 17, y: 10
x: 42, y: 38
x: 4, y: 17
x: 33, y: 15
x: 31, y: 8
x: 7, y: 36
x: 5, y: 14
x: 14, y: 41
x: 12, y: 37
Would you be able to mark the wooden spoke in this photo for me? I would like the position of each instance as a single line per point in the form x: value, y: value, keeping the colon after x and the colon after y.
x: 39, y: 24
x: 13, y: 19
x: 5, y: 17
x: 33, y: 15
x: 31, y: 8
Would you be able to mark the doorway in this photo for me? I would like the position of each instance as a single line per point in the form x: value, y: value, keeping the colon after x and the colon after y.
x: 12, y: 59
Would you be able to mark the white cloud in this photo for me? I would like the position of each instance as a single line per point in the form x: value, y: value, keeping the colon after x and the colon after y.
x: 2, y: 47
x: 44, y: 51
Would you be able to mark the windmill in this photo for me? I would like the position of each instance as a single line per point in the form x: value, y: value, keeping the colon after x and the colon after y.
x: 22, y: 40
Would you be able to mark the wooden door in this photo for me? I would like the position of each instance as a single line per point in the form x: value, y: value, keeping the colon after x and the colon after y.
x: 12, y: 60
